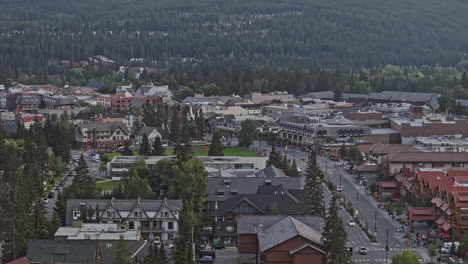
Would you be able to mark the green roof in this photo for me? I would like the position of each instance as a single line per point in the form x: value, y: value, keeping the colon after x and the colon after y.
x: 61, y: 251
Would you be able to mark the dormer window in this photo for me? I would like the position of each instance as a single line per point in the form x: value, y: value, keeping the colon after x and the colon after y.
x: 220, y: 193
x: 234, y: 191
x: 267, y: 182
x: 227, y: 183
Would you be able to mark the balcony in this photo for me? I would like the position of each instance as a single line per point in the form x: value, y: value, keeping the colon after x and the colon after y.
x: 151, y: 229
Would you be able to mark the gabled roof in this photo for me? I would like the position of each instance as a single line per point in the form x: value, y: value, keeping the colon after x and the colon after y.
x: 270, y: 172
x: 299, y: 249
x: 287, y: 202
x: 246, y: 185
x: 286, y: 229
x: 104, y: 127
x: 147, y: 130
x: 120, y: 206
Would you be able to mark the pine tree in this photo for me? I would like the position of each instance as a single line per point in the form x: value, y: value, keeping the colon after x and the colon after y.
x: 39, y: 225
x: 200, y: 125
x: 126, y: 151
x: 183, y: 151
x: 313, y: 186
x: 335, y: 236
x: 60, y: 208
x: 158, y: 149
x: 145, y: 148
x: 275, y: 158
x: 162, y: 255
x: 216, y: 147
x: 122, y: 256
x: 293, y: 171
x: 54, y: 225
x: 149, y: 115
x: 464, y: 80
x: 182, y: 253
x: 284, y: 163
x: 175, y: 125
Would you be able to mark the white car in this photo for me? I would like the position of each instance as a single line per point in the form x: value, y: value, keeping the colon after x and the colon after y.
x: 363, y: 251
x: 339, y: 188
x: 351, y: 223
x: 45, y: 201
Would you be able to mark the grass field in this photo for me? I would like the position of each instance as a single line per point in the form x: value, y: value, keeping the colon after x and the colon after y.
x: 108, y: 185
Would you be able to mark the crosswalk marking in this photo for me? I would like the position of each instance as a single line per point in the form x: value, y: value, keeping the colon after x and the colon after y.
x: 377, y: 260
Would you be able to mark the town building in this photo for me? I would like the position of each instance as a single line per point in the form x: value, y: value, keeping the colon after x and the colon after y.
x: 100, y: 134
x: 430, y: 160
x: 280, y: 239
x: 238, y: 166
x: 150, y: 132
x: 269, y: 200
x: 59, y: 101
x: 259, y: 98
x: 152, y: 218
x: 103, y: 232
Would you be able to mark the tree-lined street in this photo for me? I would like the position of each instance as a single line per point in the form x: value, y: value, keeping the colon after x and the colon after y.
x: 368, y: 211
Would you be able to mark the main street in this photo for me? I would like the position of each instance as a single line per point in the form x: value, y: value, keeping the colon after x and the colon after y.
x: 368, y: 212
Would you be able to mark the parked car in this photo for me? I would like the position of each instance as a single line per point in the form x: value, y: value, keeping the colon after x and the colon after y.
x: 363, y: 251
x: 57, y: 188
x: 218, y: 246
x: 51, y: 195
x: 204, y: 252
x: 62, y: 183
x: 351, y: 223
x: 46, y: 200
x: 205, y: 259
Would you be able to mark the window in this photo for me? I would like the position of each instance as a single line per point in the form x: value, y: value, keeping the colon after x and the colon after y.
x: 76, y: 214
x: 108, y: 245
x: 243, y: 166
x: 220, y: 193
x: 166, y: 214
x: 229, y: 218
x: 219, y: 218
x: 131, y: 225
x: 170, y: 225
x: 229, y: 228
x: 457, y: 165
x: 438, y: 164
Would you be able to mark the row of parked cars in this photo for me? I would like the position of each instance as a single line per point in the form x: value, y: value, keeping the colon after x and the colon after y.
x: 208, y: 256
x: 57, y: 187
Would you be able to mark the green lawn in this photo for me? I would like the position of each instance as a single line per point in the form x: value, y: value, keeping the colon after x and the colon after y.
x: 108, y: 185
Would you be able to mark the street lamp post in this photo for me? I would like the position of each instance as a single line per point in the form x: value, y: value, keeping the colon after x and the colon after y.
x: 357, y: 202
x: 375, y: 224
x: 386, y: 249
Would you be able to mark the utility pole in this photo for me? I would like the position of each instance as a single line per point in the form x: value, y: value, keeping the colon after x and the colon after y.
x: 386, y: 249
x: 375, y: 224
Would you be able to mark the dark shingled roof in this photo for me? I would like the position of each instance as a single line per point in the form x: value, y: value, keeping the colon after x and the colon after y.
x: 246, y: 185
x: 287, y: 202
x: 104, y: 126
x: 62, y: 251
x: 270, y: 172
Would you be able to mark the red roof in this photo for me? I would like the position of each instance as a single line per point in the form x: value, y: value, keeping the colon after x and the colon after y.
x: 23, y: 260
x: 437, y: 201
x: 421, y: 214
x: 454, y: 173
x: 28, y: 119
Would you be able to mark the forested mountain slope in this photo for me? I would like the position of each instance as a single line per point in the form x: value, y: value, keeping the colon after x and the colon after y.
x: 338, y: 34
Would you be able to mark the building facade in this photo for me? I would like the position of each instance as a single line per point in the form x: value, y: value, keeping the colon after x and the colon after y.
x: 152, y: 218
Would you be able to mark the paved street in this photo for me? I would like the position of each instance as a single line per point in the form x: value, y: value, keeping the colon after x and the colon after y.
x: 226, y: 256
x: 368, y: 211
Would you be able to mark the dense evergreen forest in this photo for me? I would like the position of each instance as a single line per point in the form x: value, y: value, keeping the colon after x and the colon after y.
x: 241, y: 45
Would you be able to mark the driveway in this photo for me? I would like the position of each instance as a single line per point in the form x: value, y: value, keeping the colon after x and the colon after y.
x: 226, y: 256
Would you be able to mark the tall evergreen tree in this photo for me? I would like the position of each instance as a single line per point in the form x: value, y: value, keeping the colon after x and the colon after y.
x: 145, y: 148
x: 126, y: 150
x: 293, y: 171
x: 274, y: 158
x: 248, y: 133
x: 175, y: 125
x: 464, y: 80
x: 216, y: 147
x: 162, y: 255
x: 149, y: 115
x: 335, y: 236
x: 158, y: 149
x: 313, y: 186
x: 122, y: 256
x: 39, y: 224
x: 343, y: 152
x: 200, y: 125
x: 183, y: 150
